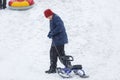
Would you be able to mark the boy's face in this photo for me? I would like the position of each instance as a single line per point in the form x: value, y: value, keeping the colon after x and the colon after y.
x: 50, y: 17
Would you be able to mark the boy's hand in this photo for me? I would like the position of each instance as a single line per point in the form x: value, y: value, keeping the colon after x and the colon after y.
x: 49, y: 35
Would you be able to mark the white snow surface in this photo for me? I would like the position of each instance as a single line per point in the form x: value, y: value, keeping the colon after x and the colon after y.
x: 93, y: 28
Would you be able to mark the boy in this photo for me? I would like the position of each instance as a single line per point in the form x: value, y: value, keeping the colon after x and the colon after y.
x: 59, y: 38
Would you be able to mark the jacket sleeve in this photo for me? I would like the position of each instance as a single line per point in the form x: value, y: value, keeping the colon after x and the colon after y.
x: 59, y: 27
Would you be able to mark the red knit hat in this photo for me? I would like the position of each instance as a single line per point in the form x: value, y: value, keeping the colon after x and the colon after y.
x: 48, y: 13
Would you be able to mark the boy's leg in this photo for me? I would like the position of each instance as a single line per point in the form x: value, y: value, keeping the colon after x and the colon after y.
x: 4, y: 4
x: 53, y: 57
x: 61, y: 53
x: 53, y: 60
x: 0, y: 4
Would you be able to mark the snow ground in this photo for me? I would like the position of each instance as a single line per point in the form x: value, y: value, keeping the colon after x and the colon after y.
x: 93, y: 31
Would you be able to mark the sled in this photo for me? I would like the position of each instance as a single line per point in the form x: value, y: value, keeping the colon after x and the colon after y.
x: 76, y: 69
x: 21, y: 4
x: 20, y: 8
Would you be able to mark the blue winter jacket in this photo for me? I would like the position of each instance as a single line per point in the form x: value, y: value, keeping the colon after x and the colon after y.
x: 57, y: 31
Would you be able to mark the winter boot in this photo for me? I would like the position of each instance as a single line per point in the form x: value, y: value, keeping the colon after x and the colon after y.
x: 50, y: 71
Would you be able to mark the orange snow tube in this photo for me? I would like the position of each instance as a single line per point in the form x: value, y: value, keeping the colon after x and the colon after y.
x: 21, y: 4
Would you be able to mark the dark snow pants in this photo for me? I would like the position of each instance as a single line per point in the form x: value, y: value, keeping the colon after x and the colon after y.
x: 55, y: 53
x: 2, y: 3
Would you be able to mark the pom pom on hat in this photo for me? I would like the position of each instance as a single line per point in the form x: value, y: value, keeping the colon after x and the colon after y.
x: 48, y: 12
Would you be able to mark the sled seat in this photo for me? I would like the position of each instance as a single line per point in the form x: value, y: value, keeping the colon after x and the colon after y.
x: 76, y: 67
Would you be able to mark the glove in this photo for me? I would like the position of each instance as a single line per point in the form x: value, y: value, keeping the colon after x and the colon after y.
x: 49, y: 35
